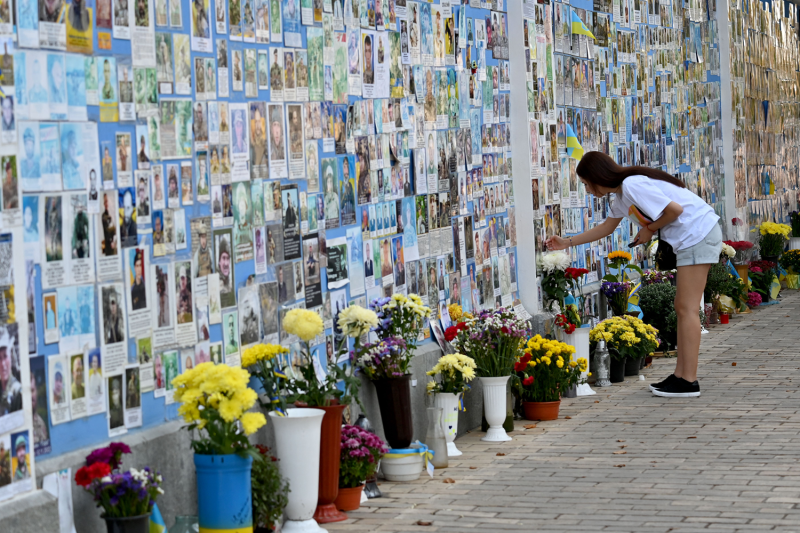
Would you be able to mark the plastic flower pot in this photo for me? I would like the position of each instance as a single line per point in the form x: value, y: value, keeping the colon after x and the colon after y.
x: 743, y: 271
x: 224, y: 501
x: 541, y: 410
x: 403, y: 464
x: 330, y: 450
x: 394, y: 400
x: 128, y: 524
x: 792, y: 281
x: 617, y: 374
x: 631, y: 366
x: 494, y: 406
x: 297, y: 438
x: 724, y: 318
x: 449, y: 403
x: 349, y: 499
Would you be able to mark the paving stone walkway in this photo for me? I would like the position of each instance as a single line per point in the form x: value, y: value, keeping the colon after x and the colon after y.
x: 625, y: 460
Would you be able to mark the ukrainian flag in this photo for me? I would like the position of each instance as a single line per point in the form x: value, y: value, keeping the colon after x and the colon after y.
x: 157, y: 524
x: 574, y: 148
x: 578, y: 27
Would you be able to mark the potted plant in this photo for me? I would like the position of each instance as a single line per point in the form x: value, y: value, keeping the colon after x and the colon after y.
x: 492, y: 339
x: 385, y: 362
x: 332, y: 394
x: 617, y: 294
x: 753, y: 300
x: 742, y: 256
x: 361, y: 451
x: 269, y: 491
x: 297, y: 436
x: 627, y: 337
x: 791, y: 262
x: 762, y: 275
x: 215, y: 400
x: 657, y: 302
x: 452, y: 374
x: 544, y: 372
x: 772, y: 240
x: 127, y: 498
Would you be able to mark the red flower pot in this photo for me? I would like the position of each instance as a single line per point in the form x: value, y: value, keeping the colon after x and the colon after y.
x: 541, y: 410
x: 330, y: 450
x: 724, y: 318
x: 349, y: 499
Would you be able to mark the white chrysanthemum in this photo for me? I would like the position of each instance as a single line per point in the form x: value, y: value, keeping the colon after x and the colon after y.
x: 728, y: 250
x: 552, y: 261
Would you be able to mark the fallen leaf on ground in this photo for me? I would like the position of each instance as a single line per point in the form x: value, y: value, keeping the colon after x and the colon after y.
x: 423, y: 523
x: 624, y: 446
x: 620, y: 440
x: 473, y: 468
x: 568, y: 417
x: 500, y: 454
x: 530, y: 426
x: 620, y: 452
x: 691, y: 437
x: 597, y: 401
x: 618, y: 466
x: 733, y: 364
x: 448, y: 480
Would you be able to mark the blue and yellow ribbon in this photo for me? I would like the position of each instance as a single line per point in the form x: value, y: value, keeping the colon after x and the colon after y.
x: 574, y: 148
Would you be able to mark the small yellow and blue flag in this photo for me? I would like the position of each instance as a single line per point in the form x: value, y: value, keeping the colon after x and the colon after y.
x: 574, y: 148
x: 157, y: 524
x: 578, y: 27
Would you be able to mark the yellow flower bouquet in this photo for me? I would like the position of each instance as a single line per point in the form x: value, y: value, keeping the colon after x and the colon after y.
x: 454, y: 371
x: 625, y: 336
x: 215, y: 400
x: 773, y: 237
x: 262, y: 360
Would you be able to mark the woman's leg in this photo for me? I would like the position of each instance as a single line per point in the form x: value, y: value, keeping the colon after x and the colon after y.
x: 691, y: 283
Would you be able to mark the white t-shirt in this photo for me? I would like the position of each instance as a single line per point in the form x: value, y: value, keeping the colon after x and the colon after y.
x: 643, y: 201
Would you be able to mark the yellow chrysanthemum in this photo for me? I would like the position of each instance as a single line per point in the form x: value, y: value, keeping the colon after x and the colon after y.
x: 355, y: 321
x: 304, y: 323
x: 261, y: 352
x: 251, y: 422
x: 455, y: 311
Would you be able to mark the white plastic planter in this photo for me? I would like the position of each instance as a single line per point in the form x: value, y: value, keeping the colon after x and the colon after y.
x: 297, y: 438
x: 448, y: 401
x: 404, y: 464
x: 494, y: 407
x: 794, y: 243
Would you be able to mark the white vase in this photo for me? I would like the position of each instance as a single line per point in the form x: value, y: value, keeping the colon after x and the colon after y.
x: 580, y: 340
x: 494, y: 407
x: 448, y: 401
x: 794, y: 243
x: 297, y: 438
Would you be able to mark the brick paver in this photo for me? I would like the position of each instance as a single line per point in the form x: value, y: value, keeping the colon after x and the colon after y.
x: 625, y: 460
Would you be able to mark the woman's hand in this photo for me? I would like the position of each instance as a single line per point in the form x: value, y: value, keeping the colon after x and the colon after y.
x: 556, y: 243
x: 643, y: 236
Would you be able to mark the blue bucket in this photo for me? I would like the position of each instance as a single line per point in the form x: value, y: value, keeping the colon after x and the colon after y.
x: 224, y: 500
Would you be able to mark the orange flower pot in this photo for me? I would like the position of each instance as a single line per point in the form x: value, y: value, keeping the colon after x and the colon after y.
x: 349, y: 499
x: 541, y: 410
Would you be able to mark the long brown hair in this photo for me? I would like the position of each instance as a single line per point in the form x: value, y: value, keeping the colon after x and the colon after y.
x: 599, y: 169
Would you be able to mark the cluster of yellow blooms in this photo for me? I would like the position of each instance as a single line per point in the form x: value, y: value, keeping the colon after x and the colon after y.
x: 355, y: 321
x: 261, y: 352
x: 219, y: 387
x: 447, y: 366
x: 412, y: 302
x: 455, y: 312
x: 625, y: 330
x: 304, y: 323
x: 538, y: 346
x: 775, y: 229
x: 619, y: 254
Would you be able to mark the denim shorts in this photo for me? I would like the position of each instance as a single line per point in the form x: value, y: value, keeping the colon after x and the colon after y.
x: 704, y: 252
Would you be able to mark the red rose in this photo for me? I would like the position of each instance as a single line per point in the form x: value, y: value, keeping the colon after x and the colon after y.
x: 86, y: 474
x: 450, y: 333
x: 527, y: 381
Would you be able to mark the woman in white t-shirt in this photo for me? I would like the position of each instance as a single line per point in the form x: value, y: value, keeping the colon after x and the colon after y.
x: 655, y: 201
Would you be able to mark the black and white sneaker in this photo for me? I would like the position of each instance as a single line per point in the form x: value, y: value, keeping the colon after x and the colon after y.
x: 679, y: 388
x: 662, y: 384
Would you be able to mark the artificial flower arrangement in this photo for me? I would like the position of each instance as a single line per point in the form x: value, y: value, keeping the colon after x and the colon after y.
x: 773, y: 238
x: 492, y: 339
x: 308, y: 389
x: 215, y: 400
x: 625, y: 336
x: 397, y: 323
x: 545, y: 371
x: 269, y: 490
x: 454, y: 372
x: 361, y: 452
x: 742, y: 249
x: 120, y: 494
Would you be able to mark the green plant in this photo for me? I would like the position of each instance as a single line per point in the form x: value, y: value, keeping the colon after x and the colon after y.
x: 269, y: 490
x: 794, y: 221
x: 657, y: 302
x: 716, y: 281
x: 545, y: 372
x: 625, y: 336
x: 791, y: 261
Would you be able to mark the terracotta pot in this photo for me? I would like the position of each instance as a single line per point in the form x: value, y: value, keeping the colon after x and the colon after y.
x: 541, y: 410
x: 349, y: 499
x: 329, y: 461
x: 394, y: 399
x: 724, y: 318
x: 617, y: 374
